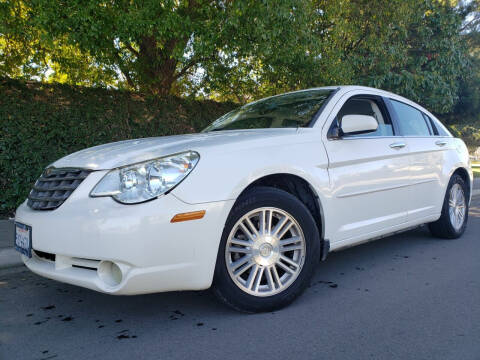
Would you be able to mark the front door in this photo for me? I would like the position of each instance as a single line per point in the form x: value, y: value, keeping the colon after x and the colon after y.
x: 369, y: 175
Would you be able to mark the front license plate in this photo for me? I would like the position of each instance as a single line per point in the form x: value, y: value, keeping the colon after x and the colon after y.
x: 23, y: 239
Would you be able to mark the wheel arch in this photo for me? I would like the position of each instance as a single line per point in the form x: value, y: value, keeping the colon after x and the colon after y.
x: 463, y: 173
x: 302, y: 190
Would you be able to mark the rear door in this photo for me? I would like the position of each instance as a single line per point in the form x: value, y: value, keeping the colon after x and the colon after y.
x: 369, y: 174
x: 428, y: 151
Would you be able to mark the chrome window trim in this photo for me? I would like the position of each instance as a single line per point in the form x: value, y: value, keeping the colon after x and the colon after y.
x: 365, y: 137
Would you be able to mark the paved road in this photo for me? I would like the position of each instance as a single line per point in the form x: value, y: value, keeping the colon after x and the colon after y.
x: 408, y: 296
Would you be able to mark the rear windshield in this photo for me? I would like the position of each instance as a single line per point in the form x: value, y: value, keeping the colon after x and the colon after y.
x: 283, y: 111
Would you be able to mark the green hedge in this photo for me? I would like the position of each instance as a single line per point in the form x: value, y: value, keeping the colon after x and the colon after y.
x: 43, y: 122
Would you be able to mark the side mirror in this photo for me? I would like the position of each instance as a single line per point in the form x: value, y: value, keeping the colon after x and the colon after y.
x: 358, y: 124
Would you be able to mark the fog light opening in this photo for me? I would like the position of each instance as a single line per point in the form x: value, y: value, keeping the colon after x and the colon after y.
x: 110, y: 273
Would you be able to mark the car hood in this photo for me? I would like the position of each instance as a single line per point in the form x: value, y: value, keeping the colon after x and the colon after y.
x: 127, y: 152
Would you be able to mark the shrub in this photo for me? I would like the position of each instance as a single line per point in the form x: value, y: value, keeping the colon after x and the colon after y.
x: 41, y: 123
x: 469, y: 133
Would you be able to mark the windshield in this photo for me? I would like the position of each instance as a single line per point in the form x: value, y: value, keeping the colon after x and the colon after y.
x: 283, y: 111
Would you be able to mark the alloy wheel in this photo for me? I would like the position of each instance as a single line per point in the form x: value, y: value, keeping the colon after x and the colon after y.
x: 265, y: 251
x: 456, y: 206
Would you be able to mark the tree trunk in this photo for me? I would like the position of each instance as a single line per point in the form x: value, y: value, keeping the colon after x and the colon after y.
x: 157, y: 67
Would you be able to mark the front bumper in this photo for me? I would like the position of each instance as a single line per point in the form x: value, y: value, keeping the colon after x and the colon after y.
x: 87, y: 235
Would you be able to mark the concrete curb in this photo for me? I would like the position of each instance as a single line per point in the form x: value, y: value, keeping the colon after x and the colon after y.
x: 9, y: 257
x: 6, y: 233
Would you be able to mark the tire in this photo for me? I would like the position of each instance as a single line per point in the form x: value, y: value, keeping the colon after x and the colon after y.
x: 446, y: 227
x: 254, y: 289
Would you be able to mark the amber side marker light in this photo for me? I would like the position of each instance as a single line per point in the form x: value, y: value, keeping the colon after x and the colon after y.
x: 194, y: 215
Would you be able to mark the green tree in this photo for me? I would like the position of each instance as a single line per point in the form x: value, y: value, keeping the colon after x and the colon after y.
x: 414, y: 48
x: 433, y: 57
x: 155, y: 44
x: 21, y: 55
x: 464, y: 119
x: 242, y: 50
x: 469, y: 102
x: 27, y: 53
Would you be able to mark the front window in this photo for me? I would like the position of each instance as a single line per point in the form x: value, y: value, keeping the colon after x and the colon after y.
x: 291, y: 110
x: 371, y: 106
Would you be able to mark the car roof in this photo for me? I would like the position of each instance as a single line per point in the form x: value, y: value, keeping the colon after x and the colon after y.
x: 347, y: 88
x: 343, y: 89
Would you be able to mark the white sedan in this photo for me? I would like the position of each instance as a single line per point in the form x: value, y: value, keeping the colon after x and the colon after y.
x: 250, y: 205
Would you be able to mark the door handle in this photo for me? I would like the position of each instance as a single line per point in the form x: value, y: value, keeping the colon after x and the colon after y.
x: 440, y: 143
x: 398, y: 145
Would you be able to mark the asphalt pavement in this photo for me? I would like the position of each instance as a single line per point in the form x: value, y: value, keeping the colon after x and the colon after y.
x: 409, y: 296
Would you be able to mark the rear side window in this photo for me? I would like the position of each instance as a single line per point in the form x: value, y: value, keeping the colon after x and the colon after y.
x: 431, y: 125
x: 438, y: 129
x: 410, y: 120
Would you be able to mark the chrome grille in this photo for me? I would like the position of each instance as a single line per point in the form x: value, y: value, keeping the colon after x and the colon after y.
x: 54, y: 187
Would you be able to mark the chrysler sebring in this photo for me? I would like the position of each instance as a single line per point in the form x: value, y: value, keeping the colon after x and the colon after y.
x: 251, y: 204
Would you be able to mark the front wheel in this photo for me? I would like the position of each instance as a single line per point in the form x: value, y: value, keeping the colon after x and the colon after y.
x: 268, y: 252
x: 453, y: 220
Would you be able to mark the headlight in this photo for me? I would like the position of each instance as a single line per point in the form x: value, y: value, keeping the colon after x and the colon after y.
x: 147, y: 180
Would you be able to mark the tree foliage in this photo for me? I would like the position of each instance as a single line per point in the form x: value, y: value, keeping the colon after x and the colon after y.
x: 26, y: 52
x: 411, y: 47
x: 241, y: 50
x: 155, y: 44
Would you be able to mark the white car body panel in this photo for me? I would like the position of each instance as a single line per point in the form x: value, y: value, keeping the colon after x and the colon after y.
x: 365, y: 189
x: 426, y: 172
x: 129, y: 152
x: 263, y: 158
x: 139, y: 237
x: 362, y: 177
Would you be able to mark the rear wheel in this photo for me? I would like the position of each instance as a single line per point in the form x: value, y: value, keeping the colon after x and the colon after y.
x: 268, y: 252
x: 453, y: 221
